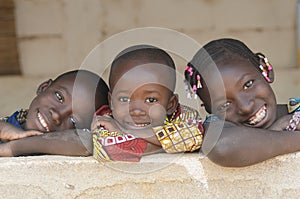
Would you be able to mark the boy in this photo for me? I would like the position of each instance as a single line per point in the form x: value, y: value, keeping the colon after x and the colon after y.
x: 142, y: 82
x: 68, y: 102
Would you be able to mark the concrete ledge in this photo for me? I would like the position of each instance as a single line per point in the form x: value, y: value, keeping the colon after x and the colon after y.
x: 156, y: 176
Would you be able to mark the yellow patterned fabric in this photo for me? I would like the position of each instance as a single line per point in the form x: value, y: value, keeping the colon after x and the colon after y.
x: 99, y: 152
x: 100, y: 134
x: 184, y: 133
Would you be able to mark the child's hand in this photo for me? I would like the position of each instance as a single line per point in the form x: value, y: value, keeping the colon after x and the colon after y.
x: 10, y: 132
x: 107, y: 123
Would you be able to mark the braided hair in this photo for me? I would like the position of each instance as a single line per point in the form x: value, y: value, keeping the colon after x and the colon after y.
x: 219, y: 52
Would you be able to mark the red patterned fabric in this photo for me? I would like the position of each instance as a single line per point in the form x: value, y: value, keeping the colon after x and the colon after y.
x: 122, y: 149
x: 130, y: 151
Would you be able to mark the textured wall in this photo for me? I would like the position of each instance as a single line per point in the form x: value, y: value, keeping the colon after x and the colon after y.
x: 157, y: 176
x: 56, y: 35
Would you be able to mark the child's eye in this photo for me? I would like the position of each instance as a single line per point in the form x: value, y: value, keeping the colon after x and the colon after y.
x: 59, y: 97
x: 124, y: 99
x: 73, y: 121
x: 248, y: 84
x: 224, y: 106
x: 151, y: 100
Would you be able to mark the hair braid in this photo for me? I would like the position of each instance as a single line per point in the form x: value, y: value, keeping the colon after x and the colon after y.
x: 218, y: 52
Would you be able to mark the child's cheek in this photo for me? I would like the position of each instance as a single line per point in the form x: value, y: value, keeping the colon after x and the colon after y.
x: 157, y: 113
x: 121, y: 109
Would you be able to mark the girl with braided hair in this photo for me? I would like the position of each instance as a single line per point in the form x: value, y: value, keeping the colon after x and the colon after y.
x: 234, y: 85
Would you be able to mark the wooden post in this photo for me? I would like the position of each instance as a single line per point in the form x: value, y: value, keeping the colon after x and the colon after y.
x: 9, y: 61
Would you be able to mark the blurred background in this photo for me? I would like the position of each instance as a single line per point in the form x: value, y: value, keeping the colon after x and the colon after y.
x: 41, y: 38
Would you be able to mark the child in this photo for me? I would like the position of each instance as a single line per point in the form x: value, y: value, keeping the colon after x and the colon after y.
x: 235, y: 86
x: 142, y: 82
x: 68, y: 102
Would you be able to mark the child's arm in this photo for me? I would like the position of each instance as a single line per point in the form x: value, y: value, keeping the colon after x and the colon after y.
x: 236, y: 146
x: 11, y: 132
x: 70, y: 142
x: 282, y: 123
x: 112, y: 125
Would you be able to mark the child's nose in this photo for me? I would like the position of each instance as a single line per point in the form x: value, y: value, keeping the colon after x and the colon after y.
x: 55, y: 116
x: 59, y: 114
x: 245, y: 104
x: 136, y: 109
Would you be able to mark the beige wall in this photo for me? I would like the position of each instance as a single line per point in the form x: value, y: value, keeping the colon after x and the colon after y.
x: 56, y: 35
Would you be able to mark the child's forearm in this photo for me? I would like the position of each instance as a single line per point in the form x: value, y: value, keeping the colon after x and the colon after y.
x: 153, y: 149
x: 68, y: 142
x: 242, y: 146
x: 147, y: 134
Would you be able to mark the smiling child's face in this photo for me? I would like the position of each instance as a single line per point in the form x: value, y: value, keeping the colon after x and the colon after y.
x: 249, y: 101
x: 58, y: 106
x: 141, y: 94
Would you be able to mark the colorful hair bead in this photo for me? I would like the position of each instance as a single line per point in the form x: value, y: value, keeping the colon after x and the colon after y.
x: 268, y: 64
x: 187, y: 89
x: 199, y: 85
x: 190, y: 69
x: 264, y: 73
x: 265, y: 70
x: 195, y: 91
x: 190, y: 89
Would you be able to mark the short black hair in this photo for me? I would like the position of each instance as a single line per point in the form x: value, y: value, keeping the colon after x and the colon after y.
x: 148, y: 52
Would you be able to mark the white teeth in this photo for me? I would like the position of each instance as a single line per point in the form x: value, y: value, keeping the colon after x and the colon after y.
x: 259, y: 116
x: 141, y: 125
x: 43, y: 122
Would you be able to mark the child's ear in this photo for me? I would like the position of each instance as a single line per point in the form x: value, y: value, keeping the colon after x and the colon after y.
x: 172, y: 105
x: 43, y: 86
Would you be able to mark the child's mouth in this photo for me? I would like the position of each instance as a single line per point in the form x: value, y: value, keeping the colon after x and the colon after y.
x: 258, y: 117
x: 142, y: 125
x: 43, y: 122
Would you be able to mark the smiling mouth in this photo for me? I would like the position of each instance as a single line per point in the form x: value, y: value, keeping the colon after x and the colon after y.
x: 142, y: 125
x: 43, y: 122
x: 134, y: 125
x: 258, y: 117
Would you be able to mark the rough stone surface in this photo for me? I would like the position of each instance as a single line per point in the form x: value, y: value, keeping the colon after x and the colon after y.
x: 156, y: 176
